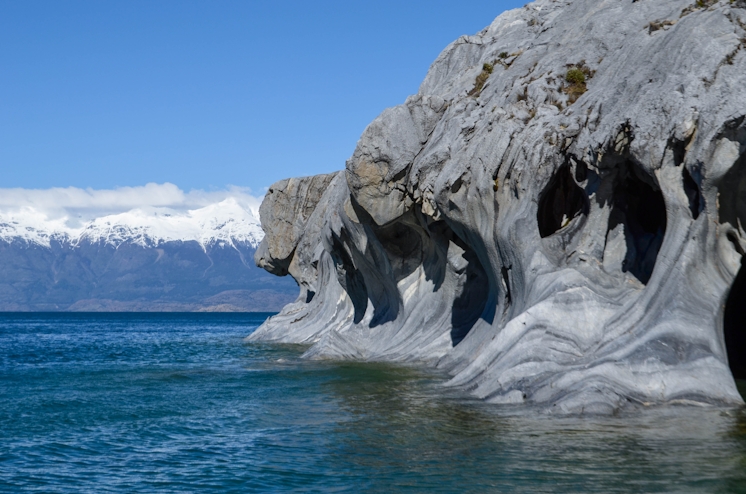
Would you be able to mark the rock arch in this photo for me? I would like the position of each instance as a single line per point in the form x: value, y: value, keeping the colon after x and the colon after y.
x: 561, y: 201
x: 638, y: 210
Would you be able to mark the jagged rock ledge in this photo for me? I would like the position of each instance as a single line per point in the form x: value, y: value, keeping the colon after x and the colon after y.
x: 556, y: 217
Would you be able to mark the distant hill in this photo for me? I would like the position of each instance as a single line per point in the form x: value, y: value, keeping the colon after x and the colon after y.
x: 142, y: 260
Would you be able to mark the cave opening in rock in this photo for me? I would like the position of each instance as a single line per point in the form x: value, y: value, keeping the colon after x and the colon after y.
x: 691, y: 188
x: 351, y: 280
x: 732, y: 194
x: 561, y: 201
x: 732, y: 212
x: 403, y: 245
x: 417, y: 242
x: 639, y: 210
x: 448, y: 262
x: 470, y: 303
x: 734, y: 325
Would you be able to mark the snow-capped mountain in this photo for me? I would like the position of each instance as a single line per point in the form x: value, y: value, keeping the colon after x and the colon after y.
x: 226, y: 222
x: 144, y: 259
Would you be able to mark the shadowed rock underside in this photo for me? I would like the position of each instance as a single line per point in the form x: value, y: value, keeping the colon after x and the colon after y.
x: 556, y: 217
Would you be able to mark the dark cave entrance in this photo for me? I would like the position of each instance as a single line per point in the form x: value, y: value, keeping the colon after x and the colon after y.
x: 469, y: 306
x: 734, y: 325
x: 351, y: 279
x: 562, y: 200
x: 732, y: 211
x: 691, y: 188
x: 403, y: 245
x: 638, y: 207
x: 418, y: 241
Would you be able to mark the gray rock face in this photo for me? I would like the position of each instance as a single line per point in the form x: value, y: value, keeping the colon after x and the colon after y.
x: 556, y: 217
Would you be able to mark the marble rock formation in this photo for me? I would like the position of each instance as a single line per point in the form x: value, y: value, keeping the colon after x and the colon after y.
x: 557, y: 217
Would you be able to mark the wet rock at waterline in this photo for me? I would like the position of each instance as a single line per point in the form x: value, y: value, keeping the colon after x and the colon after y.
x: 557, y: 217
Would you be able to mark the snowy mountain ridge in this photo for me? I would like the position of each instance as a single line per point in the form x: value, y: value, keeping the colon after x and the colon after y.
x: 227, y: 222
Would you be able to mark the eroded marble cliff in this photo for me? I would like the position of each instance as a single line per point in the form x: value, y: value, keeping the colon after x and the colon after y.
x: 556, y: 217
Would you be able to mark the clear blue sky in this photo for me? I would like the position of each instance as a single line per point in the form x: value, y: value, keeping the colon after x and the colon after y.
x: 205, y: 94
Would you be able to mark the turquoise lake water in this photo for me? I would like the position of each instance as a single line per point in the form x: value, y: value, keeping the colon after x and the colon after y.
x: 180, y: 403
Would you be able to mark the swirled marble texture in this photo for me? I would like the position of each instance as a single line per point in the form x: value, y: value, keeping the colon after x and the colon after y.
x: 546, y: 237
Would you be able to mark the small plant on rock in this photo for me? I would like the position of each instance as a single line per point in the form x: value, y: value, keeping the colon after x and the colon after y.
x: 481, y: 80
x: 576, y: 77
x: 699, y: 4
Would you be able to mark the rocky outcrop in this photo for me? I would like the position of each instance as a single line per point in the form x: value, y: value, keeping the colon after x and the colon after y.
x: 556, y: 217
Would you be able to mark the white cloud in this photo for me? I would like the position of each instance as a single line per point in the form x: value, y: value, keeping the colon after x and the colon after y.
x: 73, y: 206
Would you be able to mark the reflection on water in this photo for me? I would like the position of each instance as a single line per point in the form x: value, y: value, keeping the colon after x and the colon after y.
x: 405, y: 430
x: 181, y: 403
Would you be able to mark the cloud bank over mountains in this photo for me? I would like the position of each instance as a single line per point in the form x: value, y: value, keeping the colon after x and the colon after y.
x: 74, y: 204
x: 146, y: 215
x: 149, y: 248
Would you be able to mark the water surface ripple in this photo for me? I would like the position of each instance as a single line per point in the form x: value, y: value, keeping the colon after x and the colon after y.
x: 180, y: 403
